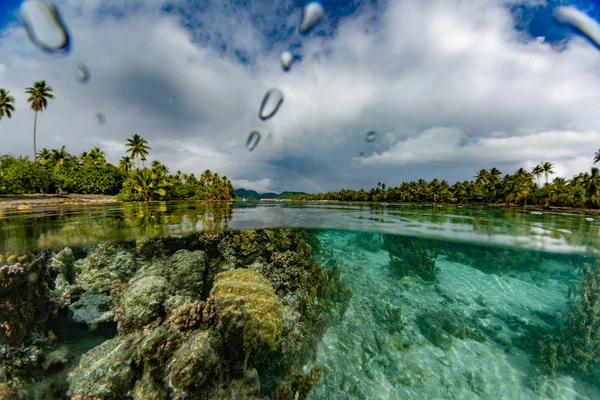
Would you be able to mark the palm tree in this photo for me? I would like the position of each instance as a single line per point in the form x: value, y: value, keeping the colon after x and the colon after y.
x: 38, y: 98
x: 205, y: 178
x: 160, y: 168
x: 125, y: 164
x: 137, y: 147
x: 538, y: 171
x: 60, y: 157
x: 548, y: 168
x: 592, y: 186
x: 6, y: 104
x: 597, y: 157
x: 44, y: 156
x: 147, y: 182
x: 97, y: 158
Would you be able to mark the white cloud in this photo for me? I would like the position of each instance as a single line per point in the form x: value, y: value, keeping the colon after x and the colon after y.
x: 452, y: 145
x: 449, y: 83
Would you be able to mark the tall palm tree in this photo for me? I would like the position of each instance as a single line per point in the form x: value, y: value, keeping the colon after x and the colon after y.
x: 6, y: 104
x: 538, y: 171
x: 137, y: 147
x: 597, y: 157
x: 548, y: 168
x: 38, y: 98
x: 125, y: 164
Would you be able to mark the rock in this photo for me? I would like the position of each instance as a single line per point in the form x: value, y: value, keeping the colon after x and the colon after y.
x: 106, y: 370
x: 65, y: 262
x: 431, y: 327
x: 186, y: 273
x: 25, y: 301
x: 90, y: 308
x: 196, y: 366
x: 142, y: 302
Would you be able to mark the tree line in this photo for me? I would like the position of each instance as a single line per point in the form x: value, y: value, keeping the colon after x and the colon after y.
x: 57, y: 171
x: 488, y: 186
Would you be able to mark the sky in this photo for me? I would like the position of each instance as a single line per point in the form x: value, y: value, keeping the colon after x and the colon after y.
x: 450, y: 87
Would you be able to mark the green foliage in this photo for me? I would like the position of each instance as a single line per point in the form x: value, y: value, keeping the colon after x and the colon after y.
x: 576, y: 346
x: 486, y: 187
x: 21, y: 176
x: 104, y: 180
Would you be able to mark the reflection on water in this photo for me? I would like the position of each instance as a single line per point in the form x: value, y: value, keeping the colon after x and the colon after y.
x: 68, y: 225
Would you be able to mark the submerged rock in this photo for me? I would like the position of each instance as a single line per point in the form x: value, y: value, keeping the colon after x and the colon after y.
x: 142, y: 302
x: 234, y: 314
x: 25, y: 301
x: 186, y: 272
x: 91, y: 308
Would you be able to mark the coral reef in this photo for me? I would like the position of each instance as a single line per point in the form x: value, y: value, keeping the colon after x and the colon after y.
x: 263, y: 305
x: 576, y: 346
x: 369, y: 241
x: 411, y: 256
x: 25, y: 301
x: 209, y: 316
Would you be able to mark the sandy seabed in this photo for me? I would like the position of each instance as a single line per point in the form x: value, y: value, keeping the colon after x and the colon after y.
x: 362, y: 358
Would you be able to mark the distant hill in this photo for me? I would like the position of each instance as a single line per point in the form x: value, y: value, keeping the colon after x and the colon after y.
x: 253, y: 195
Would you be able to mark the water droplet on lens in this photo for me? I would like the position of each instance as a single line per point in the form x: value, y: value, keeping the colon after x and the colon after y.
x: 313, y: 12
x: 371, y: 136
x: 580, y: 21
x: 100, y: 118
x: 253, y: 139
x: 270, y: 104
x: 82, y: 73
x: 45, y: 27
x: 286, y: 60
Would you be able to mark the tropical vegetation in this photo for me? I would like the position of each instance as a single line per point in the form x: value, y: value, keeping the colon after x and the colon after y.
x: 488, y: 187
x: 57, y: 171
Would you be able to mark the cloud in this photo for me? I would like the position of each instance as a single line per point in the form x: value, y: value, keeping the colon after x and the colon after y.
x: 451, y: 87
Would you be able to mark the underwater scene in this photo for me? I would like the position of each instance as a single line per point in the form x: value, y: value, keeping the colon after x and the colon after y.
x: 185, y: 301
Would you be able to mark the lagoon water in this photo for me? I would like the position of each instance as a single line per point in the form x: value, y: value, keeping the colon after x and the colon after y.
x: 297, y: 300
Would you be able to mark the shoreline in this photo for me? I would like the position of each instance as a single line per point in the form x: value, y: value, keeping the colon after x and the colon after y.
x: 27, y: 201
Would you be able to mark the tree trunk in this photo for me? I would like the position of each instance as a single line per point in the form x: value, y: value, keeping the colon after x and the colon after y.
x: 34, y: 134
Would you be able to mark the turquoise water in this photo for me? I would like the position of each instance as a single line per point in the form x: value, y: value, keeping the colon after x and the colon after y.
x: 284, y: 300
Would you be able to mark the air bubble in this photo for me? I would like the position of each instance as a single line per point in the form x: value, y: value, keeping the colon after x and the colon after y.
x: 45, y: 28
x: 286, y: 60
x: 253, y: 139
x: 580, y: 21
x: 270, y: 104
x: 81, y: 73
x: 313, y: 12
x: 371, y: 136
x: 100, y: 118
